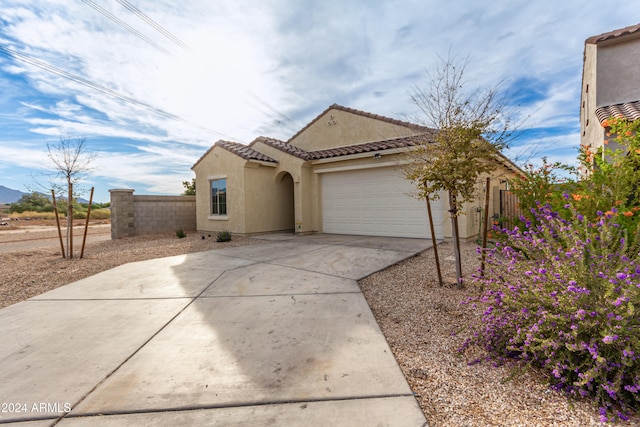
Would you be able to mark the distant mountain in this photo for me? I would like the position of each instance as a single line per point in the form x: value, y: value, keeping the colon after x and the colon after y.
x: 9, y: 195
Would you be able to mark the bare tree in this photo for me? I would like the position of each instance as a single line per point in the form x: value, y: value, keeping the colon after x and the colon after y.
x: 71, y: 162
x: 472, y: 127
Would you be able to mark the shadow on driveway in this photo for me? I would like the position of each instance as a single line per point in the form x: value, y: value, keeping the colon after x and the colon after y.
x: 277, y: 330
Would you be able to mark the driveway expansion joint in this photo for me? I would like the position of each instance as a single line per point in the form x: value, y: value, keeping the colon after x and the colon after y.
x: 194, y: 341
x: 237, y: 405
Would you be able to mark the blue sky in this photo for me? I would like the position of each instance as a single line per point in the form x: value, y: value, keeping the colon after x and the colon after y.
x: 236, y: 70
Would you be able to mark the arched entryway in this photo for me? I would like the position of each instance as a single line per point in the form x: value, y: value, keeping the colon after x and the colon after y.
x: 285, y: 202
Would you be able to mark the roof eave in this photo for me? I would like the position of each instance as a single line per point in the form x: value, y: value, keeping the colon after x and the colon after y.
x: 364, y: 155
x: 615, y: 36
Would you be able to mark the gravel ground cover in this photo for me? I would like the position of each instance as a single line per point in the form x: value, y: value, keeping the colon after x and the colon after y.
x: 424, y: 324
x: 422, y: 321
x: 29, y: 273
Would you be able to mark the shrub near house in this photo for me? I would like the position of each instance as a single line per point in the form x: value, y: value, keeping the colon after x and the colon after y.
x: 562, y: 290
x: 561, y: 296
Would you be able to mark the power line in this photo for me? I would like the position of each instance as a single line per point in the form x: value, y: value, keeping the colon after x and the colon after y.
x: 154, y: 24
x: 280, y: 117
x: 126, y: 26
x: 50, y: 68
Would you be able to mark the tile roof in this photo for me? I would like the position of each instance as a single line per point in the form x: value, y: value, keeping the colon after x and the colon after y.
x: 360, y: 113
x: 245, y: 151
x: 626, y: 31
x: 283, y: 146
x: 402, y: 142
x: 248, y: 153
x: 627, y: 110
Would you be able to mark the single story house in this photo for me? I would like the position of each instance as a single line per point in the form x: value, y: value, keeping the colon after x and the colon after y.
x: 342, y: 173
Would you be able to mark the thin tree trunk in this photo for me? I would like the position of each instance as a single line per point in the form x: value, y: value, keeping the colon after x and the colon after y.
x: 456, y: 238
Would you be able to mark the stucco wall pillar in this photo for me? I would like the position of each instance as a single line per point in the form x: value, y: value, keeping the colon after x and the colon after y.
x: 122, y: 214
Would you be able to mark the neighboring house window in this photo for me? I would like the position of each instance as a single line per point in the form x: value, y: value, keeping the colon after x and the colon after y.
x: 219, y: 196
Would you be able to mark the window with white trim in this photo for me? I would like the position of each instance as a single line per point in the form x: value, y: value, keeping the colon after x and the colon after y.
x: 219, y: 196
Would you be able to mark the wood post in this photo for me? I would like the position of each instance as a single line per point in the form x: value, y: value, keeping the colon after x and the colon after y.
x: 86, y: 224
x: 485, y: 228
x: 435, y: 242
x: 55, y: 209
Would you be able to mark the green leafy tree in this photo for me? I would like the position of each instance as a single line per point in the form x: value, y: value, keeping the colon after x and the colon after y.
x: 611, y: 176
x: 190, y: 187
x: 472, y: 127
x: 33, y: 202
x: 543, y: 184
x: 97, y: 205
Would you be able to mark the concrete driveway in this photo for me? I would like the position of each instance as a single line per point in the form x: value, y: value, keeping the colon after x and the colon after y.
x: 271, y: 334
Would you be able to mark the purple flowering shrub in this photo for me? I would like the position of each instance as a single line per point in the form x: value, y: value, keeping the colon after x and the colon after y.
x: 561, y: 295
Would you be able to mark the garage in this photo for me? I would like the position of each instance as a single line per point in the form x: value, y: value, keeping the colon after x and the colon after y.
x: 375, y: 202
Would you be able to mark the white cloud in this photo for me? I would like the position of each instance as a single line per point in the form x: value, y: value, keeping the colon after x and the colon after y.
x: 159, y: 171
x: 557, y: 148
x: 270, y: 68
x: 27, y: 155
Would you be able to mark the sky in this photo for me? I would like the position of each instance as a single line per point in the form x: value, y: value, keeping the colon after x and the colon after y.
x: 152, y: 84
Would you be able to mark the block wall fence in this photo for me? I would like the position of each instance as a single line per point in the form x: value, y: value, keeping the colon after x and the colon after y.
x: 136, y: 215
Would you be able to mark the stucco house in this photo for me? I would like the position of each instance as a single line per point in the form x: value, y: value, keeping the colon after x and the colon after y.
x: 342, y: 173
x: 610, y: 82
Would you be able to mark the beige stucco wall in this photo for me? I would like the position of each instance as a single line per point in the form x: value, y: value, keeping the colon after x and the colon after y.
x: 260, y: 197
x: 609, y: 76
x: 338, y: 128
x: 470, y: 220
x: 591, y: 133
x: 305, y: 186
x: 269, y: 200
x: 220, y: 163
x: 617, y: 71
x: 264, y: 198
x: 475, y: 211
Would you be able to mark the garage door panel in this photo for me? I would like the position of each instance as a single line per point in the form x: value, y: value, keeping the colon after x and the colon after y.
x: 375, y: 202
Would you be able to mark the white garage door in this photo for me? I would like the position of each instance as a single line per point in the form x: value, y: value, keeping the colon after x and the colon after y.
x: 375, y: 202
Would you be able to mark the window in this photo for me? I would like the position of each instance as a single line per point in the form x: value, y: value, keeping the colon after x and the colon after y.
x: 219, y: 196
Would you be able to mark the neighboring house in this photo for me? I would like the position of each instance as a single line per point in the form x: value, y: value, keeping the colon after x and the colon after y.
x: 610, y: 82
x: 342, y: 173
